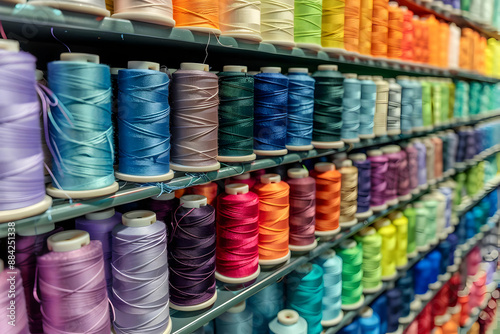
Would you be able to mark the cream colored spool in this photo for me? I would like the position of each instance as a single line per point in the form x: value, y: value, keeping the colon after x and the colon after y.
x: 381, y: 106
x: 93, y: 7
x: 277, y: 21
x: 150, y: 11
x: 240, y: 19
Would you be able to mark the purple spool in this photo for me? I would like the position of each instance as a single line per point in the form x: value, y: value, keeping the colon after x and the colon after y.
x: 412, y: 156
x: 393, y: 155
x: 364, y: 184
x: 164, y: 206
x: 379, y: 166
x: 421, y: 163
x: 470, y: 148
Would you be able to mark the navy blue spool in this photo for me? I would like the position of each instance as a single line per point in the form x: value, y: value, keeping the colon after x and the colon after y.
x: 422, y: 274
x: 379, y: 306
x: 417, y: 120
x: 453, y: 241
x: 352, y: 328
x: 265, y: 306
x: 370, y: 325
x: 300, y: 111
x: 461, y: 230
x: 435, y: 260
x: 270, y: 113
x: 364, y: 184
x: 143, y: 122
x: 405, y: 285
x: 351, y: 107
x: 470, y: 148
x: 394, y: 303
x: 407, y: 102
x: 444, y: 248
x: 461, y: 146
x: 368, y: 105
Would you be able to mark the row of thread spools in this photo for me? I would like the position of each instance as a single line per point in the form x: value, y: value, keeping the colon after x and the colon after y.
x: 276, y: 217
x: 376, y: 28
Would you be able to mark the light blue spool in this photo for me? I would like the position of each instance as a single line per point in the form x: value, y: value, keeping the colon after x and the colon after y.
x: 352, y: 328
x: 435, y: 260
x: 351, y: 107
x: 407, y: 102
x: 461, y: 107
x: 332, y: 297
x: 369, y: 322
x: 265, y: 305
x: 237, y: 320
x: 448, y: 193
x: 416, y: 116
x: 422, y: 276
x: 288, y: 322
x: 300, y: 110
x: 368, y: 105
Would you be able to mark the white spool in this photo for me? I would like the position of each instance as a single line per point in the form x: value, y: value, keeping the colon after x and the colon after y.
x: 288, y: 318
x: 240, y: 19
x: 160, y: 12
x: 67, y: 241
x: 93, y: 7
x: 277, y: 21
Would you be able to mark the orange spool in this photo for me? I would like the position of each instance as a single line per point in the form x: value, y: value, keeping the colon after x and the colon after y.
x: 209, y: 190
x: 444, y: 40
x: 407, y: 52
x: 179, y: 193
x: 328, y: 186
x: 434, y: 46
x: 463, y: 300
x: 197, y: 15
x: 395, y: 32
x: 365, y: 27
x: 417, y: 40
x: 352, y: 14
x: 380, y: 28
x: 466, y: 48
x: 274, y: 209
x: 425, y: 41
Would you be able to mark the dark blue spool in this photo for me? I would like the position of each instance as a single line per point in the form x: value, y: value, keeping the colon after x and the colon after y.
x: 379, y: 306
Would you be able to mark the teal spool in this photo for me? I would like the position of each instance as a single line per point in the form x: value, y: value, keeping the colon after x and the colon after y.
x: 265, y: 305
x: 485, y: 99
x: 237, y: 320
x: 288, y: 321
x: 368, y: 104
x: 236, y: 104
x: 80, y: 126
x: 416, y: 116
x: 332, y: 297
x: 475, y: 98
x: 351, y: 106
x: 407, y: 101
x: 461, y: 108
x: 304, y: 291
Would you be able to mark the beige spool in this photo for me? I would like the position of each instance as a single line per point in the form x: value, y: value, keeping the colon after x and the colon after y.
x: 382, y: 103
x: 348, y: 195
x: 151, y: 11
x: 276, y: 22
x: 240, y: 19
x: 93, y: 7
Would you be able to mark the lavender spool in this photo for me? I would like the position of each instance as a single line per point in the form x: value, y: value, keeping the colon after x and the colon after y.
x: 412, y: 156
x: 364, y: 184
x: 9, y: 277
x: 421, y: 163
x: 392, y: 153
x: 404, y: 190
x: 379, y: 167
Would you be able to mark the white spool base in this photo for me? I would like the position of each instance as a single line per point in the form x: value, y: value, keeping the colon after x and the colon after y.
x: 418, y: 128
x: 270, y: 153
x: 371, y: 136
x: 373, y: 290
x: 350, y: 141
x: 274, y: 262
x: 283, y: 44
x: 444, y: 277
x: 436, y: 285
x: 239, y: 280
x: 241, y: 158
x: 254, y: 38
x: 82, y: 194
x: 32, y: 210
x: 491, y: 287
x: 364, y: 215
x: 169, y: 327
x: 423, y: 186
x: 423, y: 248
x: 432, y: 182
x: 333, y: 322
x: 435, y: 241
x: 406, y: 320
x: 202, y: 30
x: 425, y: 296
x: 197, y: 169
x: 378, y: 208
x: 348, y: 223
x: 309, y: 46
x: 416, y: 191
x: 403, y: 266
x: 302, y: 249
x: 443, y: 235
x: 390, y: 277
x: 355, y: 306
x: 197, y: 307
x: 452, y: 269
x: 328, y: 144
x: 404, y: 198
x: 392, y: 202
x: 145, y: 17
x: 393, y: 132
x: 299, y: 148
x: 412, y: 254
x: 327, y: 235
x: 74, y: 7
x: 145, y: 179
x: 337, y: 51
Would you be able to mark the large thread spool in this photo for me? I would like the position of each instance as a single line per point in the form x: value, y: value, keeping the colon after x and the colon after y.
x: 368, y: 105
x: 365, y: 27
x: 371, y: 242
x: 92, y: 7
x: 237, y: 250
x: 369, y: 322
x: 307, y: 24
x: 407, y: 103
x: 389, y: 244
x: 394, y: 109
x: 15, y: 303
x: 80, y: 129
x: 156, y: 12
x: 270, y: 112
x: 300, y: 114
x: 351, y: 25
x: 332, y: 297
x: 236, y: 103
x: 380, y: 29
x: 73, y: 255
x: 351, y: 253
x: 404, y: 190
x: 332, y: 27
x: 351, y: 106
x: 274, y: 209
x: 380, y: 118
x: 302, y: 210
x: 191, y: 256
x: 143, y: 123
x: 304, y: 291
x: 395, y: 31
x: 364, y: 184
x: 401, y: 223
x: 194, y: 119
x: 21, y: 152
x: 164, y: 206
x: 348, y: 195
x: 265, y: 305
x: 288, y: 321
x: 417, y: 122
x: 328, y: 186
x: 237, y: 318
x: 240, y: 19
x: 393, y: 155
x: 379, y: 166
x: 328, y: 94
x: 277, y: 22
x: 197, y: 15
x: 411, y: 215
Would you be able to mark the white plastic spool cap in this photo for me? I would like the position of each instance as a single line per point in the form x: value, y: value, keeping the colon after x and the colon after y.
x: 297, y: 173
x: 357, y: 157
x: 244, y: 176
x: 164, y: 197
x: 138, y: 218
x: 377, y: 78
x: 236, y: 189
x: 374, y: 153
x: 367, y: 231
x: 270, y: 69
x: 347, y: 163
x: 238, y: 308
x: 115, y: 70
x: 270, y: 178
x: 235, y: 68
x: 143, y: 65
x: 393, y: 4
x: 288, y: 317
x: 391, y: 149
x: 328, y: 254
x: 324, y: 167
x: 67, y: 241
x: 391, y: 80
x: 100, y: 215
x: 350, y: 75
x: 365, y: 77
x: 304, y: 268
x: 416, y: 305
x: 349, y: 243
x: 382, y: 222
x: 82, y: 57
x: 367, y: 312
x: 328, y: 68
x: 404, y: 8
x: 193, y: 201
x: 298, y: 70
x: 195, y: 66
x: 9, y: 45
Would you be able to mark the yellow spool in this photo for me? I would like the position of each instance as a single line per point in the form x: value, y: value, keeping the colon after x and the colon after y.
x: 388, y: 233
x: 401, y: 224
x: 332, y: 26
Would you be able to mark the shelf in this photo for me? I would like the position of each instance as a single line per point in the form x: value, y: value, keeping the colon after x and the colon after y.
x: 43, y: 30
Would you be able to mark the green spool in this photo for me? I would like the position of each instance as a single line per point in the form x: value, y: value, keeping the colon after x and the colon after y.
x: 307, y: 23
x: 445, y: 102
x: 460, y: 179
x: 451, y: 100
x: 436, y: 103
x: 426, y: 103
x: 411, y: 215
x: 471, y: 182
x: 351, y: 253
x: 420, y: 226
x: 431, y: 224
x: 371, y: 243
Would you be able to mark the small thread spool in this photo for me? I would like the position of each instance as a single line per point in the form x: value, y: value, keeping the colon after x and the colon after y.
x: 288, y: 321
x: 194, y: 139
x: 417, y: 114
x: 328, y: 94
x: 393, y: 155
x: 274, y: 209
x: 412, y: 156
x: 404, y: 190
x: 435, y: 260
x: 352, y: 14
x: 348, y: 195
x: 394, y: 109
x: 395, y: 32
x: 270, y: 112
x: 401, y: 223
x: 364, y: 184
x: 240, y: 19
x: 368, y: 105
x: 380, y: 29
x: 158, y: 12
x: 421, y: 163
x: 422, y: 273
x: 351, y: 253
x: 266, y: 304
x: 351, y: 106
x: 394, y: 301
x: 379, y: 166
x: 237, y: 318
x: 371, y: 242
x: 92, y: 7
x: 197, y: 15
x: 438, y: 157
x: 277, y: 22
x: 379, y: 306
x: 164, y: 206
x: 365, y: 27
x: 421, y: 224
x: 332, y: 297
x: 369, y: 322
x: 431, y: 205
x: 380, y: 118
x: 407, y: 103
x: 307, y: 24
x: 328, y: 187
x: 430, y: 160
x: 388, y: 250
x: 302, y: 210
x: 411, y: 215
x: 405, y: 285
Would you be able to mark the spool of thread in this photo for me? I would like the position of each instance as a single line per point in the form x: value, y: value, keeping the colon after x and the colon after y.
x: 265, y: 305
x: 393, y: 155
x: 236, y: 103
x: 364, y: 184
x: 307, y: 24
x: 84, y: 108
x: 332, y: 28
x: 407, y: 103
x: 270, y: 112
x: 379, y: 306
x: 143, y: 123
x: 328, y: 94
x: 351, y: 106
x: 368, y: 105
x: 288, y: 321
x: 351, y: 253
x: 405, y: 285
x: 351, y: 25
x: 328, y: 192
x: 240, y: 19
x: 411, y: 215
x: 463, y: 301
x: 365, y: 27
x: 394, y: 108
x: 237, y: 250
x: 417, y: 122
x: 371, y: 243
x: 274, y: 208
x: 380, y: 118
x: 435, y: 259
x: 300, y: 108
x: 191, y: 255
x: 245, y: 178
x: 302, y: 210
x: 407, y: 39
x: 95, y: 7
x: 348, y: 196
x: 277, y: 22
x: 209, y: 190
x: 198, y: 15
x: 237, y: 319
x: 404, y: 190
x: 421, y: 227
x: 332, y: 296
x: 401, y: 223
x: 194, y: 139
x: 157, y: 12
x: 438, y: 157
x: 304, y: 291
x: 379, y: 166
x: 424, y: 320
x: 9, y: 281
x: 412, y: 157
x: 389, y: 244
x: 164, y: 206
x: 395, y: 32
x: 73, y: 255
x: 394, y: 302
x: 421, y: 163
x: 422, y: 278
x: 380, y: 28
x: 369, y: 321
x: 351, y: 328
x: 426, y: 104
x: 431, y: 206
x: 430, y: 157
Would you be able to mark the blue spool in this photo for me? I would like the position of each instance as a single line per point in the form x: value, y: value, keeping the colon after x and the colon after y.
x: 300, y: 110
x: 461, y: 230
x: 364, y: 184
x: 470, y: 225
x: 265, y: 306
x: 435, y: 260
x: 405, y: 285
x: 270, y: 113
x: 144, y: 125
x: 379, y: 306
x: 407, y: 103
x: 444, y: 249
x: 367, y: 111
x: 332, y: 296
x: 352, y: 328
x: 493, y: 198
x: 394, y: 303
x: 234, y: 323
x: 351, y: 107
x: 416, y: 115
x: 453, y: 241
x: 422, y: 276
x: 369, y: 322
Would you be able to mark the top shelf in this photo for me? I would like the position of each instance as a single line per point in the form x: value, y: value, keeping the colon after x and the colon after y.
x: 43, y: 30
